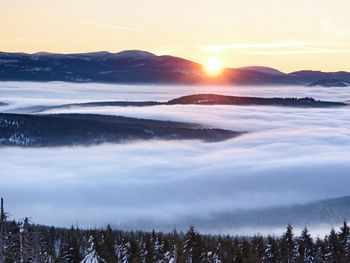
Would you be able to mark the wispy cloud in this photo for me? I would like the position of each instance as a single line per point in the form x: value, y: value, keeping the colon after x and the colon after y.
x: 266, y: 45
x: 16, y: 40
x: 285, y: 47
x: 122, y: 28
x: 297, y: 52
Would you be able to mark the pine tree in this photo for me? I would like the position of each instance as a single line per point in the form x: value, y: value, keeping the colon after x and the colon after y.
x: 92, y: 256
x: 32, y: 247
x: 176, y: 248
x: 225, y: 249
x: 134, y: 251
x: 71, y: 249
x: 288, y: 248
x: 305, y: 247
x: 344, y: 238
x: 259, y: 247
x: 237, y: 250
x: 158, y: 250
x: 105, y: 244
x: 192, y: 248
x: 271, y: 252
x: 333, y: 248
x: 320, y: 251
x: 2, y: 232
x: 124, y: 251
x: 149, y: 248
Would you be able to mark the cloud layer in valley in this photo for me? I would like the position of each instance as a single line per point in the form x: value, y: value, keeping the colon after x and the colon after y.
x: 290, y: 156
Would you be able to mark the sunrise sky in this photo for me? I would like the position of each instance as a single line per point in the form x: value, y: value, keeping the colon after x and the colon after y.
x: 284, y: 34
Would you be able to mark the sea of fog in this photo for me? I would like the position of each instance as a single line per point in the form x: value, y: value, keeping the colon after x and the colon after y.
x: 288, y: 156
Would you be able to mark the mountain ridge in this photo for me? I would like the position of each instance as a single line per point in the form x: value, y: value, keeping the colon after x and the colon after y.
x: 137, y: 66
x: 53, y: 130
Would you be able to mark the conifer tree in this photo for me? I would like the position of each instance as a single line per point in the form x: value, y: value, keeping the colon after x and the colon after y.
x: 72, y: 248
x: 305, y: 247
x: 344, y: 238
x: 259, y: 247
x: 92, y: 256
x: 124, y: 251
x: 320, y: 251
x: 225, y: 250
x: 176, y: 248
x: 107, y: 249
x: 192, y: 248
x: 288, y: 247
x: 333, y: 248
x: 271, y: 252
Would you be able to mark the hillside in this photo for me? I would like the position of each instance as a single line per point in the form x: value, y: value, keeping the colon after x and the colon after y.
x: 86, y: 129
x: 214, y: 99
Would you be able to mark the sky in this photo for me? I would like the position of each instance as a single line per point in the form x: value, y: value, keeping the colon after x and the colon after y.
x: 287, y: 35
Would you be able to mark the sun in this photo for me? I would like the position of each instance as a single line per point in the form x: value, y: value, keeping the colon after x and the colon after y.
x: 213, y: 67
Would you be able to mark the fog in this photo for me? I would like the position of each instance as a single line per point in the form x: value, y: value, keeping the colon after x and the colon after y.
x: 288, y: 156
x: 20, y: 94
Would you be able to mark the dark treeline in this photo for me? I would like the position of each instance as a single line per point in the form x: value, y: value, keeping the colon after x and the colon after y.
x: 25, y: 242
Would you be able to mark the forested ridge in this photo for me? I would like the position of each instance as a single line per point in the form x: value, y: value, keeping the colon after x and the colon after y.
x: 26, y: 242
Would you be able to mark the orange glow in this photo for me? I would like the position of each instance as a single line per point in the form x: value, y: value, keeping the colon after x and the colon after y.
x: 213, y: 67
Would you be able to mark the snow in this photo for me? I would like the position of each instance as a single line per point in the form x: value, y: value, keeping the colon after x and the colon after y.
x: 92, y: 256
x: 135, y: 54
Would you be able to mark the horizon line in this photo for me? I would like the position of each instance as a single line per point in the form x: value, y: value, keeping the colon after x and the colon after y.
x: 154, y: 53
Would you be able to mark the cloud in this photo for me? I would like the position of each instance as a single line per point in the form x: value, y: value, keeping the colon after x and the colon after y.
x: 19, y: 40
x: 265, y: 45
x: 280, y: 48
x: 300, y: 52
x: 291, y: 156
x: 122, y: 28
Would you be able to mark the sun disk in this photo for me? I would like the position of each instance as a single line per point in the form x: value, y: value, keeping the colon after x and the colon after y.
x: 213, y: 67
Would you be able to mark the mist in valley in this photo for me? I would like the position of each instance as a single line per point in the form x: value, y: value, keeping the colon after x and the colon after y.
x: 288, y: 156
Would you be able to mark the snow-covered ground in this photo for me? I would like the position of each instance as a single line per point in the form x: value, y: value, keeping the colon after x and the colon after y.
x: 291, y: 156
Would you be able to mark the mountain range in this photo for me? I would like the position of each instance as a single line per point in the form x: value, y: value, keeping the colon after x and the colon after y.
x: 135, y: 66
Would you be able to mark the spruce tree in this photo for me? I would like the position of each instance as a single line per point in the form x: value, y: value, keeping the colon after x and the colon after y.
x: 192, y: 248
x: 71, y: 249
x: 288, y: 247
x: 108, y: 250
x: 271, y: 252
x: 177, y: 248
x: 305, y: 247
x: 92, y: 255
x: 259, y: 247
x: 320, y: 251
x: 344, y: 238
x: 333, y: 248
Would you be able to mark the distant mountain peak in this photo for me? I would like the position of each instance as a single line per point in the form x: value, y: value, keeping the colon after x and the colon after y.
x: 135, y: 54
x: 265, y: 70
x: 43, y: 53
x: 98, y: 53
